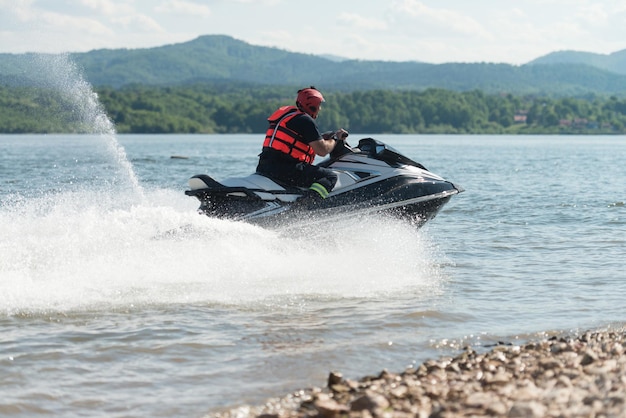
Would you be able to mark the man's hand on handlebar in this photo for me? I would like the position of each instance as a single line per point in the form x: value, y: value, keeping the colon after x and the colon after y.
x: 340, y: 134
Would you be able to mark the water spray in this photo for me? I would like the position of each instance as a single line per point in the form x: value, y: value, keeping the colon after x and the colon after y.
x: 59, y: 73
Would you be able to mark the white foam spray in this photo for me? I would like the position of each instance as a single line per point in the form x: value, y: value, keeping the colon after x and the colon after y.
x: 59, y: 73
x: 82, y: 256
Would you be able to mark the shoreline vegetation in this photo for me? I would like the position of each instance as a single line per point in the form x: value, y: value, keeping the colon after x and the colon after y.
x: 221, y: 109
x: 559, y: 376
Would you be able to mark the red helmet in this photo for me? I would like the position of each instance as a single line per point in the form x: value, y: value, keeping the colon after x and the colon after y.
x: 309, y: 101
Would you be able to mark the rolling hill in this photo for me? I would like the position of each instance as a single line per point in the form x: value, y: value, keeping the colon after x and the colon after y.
x: 615, y: 62
x: 217, y: 59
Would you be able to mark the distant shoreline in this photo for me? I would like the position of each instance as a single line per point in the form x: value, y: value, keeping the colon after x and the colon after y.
x: 205, y: 109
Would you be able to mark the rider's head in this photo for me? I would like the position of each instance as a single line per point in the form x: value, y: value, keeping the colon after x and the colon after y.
x: 309, y: 101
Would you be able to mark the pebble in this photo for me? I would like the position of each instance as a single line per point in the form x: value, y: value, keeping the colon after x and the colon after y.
x: 580, y: 376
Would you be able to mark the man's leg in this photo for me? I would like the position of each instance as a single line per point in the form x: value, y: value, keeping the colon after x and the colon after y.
x: 319, y: 179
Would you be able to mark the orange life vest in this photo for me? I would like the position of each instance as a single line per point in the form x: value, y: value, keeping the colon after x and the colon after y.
x: 283, y: 139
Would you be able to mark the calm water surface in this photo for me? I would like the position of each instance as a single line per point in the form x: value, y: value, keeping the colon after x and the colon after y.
x: 117, y: 299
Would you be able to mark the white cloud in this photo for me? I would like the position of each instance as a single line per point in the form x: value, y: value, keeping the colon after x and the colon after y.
x: 56, y: 22
x: 518, y: 13
x: 361, y: 22
x: 17, y: 11
x: 108, y: 7
x: 258, y: 2
x: 594, y: 14
x: 183, y: 8
x: 137, y: 23
x: 446, y: 22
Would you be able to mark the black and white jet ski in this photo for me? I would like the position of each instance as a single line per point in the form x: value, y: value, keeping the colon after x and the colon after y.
x: 373, y: 177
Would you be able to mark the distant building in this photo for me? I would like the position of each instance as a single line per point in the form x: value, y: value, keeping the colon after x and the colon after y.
x: 520, y: 116
x: 579, y: 123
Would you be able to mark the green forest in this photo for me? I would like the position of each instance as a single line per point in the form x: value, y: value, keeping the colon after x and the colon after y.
x: 227, y: 108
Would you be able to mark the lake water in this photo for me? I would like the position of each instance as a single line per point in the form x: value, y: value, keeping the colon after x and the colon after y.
x: 117, y: 299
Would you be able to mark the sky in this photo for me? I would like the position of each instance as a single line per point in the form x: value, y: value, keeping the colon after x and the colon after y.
x: 433, y: 31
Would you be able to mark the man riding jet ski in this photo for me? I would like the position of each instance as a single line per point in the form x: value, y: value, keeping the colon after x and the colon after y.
x: 372, y: 177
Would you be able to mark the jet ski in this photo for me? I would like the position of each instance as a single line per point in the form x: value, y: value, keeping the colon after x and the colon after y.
x: 372, y: 178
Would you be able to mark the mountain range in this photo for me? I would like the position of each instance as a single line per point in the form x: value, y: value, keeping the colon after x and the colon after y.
x: 219, y: 59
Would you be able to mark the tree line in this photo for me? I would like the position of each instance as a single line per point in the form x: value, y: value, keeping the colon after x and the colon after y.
x: 206, y: 108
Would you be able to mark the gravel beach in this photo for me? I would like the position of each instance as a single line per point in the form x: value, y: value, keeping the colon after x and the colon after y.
x: 560, y: 376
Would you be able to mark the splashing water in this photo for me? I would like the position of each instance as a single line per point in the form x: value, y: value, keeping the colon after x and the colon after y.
x: 61, y: 74
x: 81, y: 256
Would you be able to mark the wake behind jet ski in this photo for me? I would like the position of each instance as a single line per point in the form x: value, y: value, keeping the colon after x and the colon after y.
x: 372, y: 178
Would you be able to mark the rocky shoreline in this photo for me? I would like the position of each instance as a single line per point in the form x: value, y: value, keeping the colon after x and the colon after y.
x: 561, y: 376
